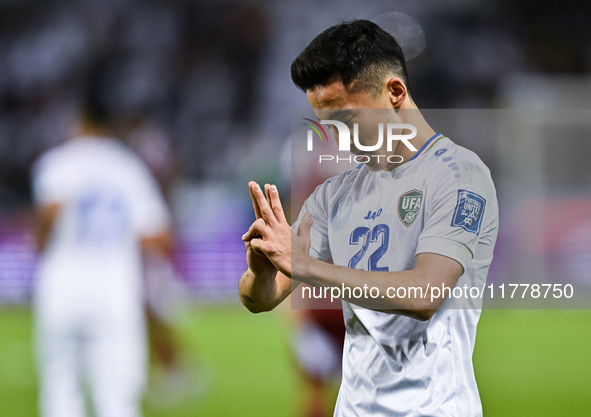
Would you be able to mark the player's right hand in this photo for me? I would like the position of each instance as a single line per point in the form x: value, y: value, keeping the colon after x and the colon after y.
x: 258, y: 263
x: 270, y: 233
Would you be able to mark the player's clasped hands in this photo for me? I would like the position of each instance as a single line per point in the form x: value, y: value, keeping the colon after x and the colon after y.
x: 270, y: 242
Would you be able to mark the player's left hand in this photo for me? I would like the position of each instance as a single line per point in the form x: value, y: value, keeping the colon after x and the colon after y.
x: 271, y: 234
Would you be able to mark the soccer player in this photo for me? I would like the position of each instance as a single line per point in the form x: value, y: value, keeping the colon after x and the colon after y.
x: 437, y: 226
x: 97, y: 207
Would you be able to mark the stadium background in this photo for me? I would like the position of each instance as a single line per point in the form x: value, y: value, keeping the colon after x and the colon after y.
x: 210, y: 81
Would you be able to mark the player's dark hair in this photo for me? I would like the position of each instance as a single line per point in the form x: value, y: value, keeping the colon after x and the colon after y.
x: 97, y: 107
x: 359, y: 53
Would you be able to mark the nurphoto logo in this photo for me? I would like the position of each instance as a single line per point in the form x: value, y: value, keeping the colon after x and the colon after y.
x: 344, y: 140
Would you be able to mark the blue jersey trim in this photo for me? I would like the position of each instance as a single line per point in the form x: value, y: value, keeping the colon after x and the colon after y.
x: 424, y: 146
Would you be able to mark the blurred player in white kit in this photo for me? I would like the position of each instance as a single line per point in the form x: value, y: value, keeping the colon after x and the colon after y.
x: 98, y: 207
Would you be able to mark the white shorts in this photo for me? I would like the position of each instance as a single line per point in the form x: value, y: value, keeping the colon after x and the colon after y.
x: 90, y: 345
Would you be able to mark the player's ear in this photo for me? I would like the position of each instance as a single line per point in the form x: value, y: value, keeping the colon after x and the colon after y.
x: 396, y: 91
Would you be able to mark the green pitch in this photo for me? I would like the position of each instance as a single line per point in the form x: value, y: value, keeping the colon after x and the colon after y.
x: 528, y: 363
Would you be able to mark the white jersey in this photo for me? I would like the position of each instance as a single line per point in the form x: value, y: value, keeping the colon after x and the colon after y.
x: 441, y: 201
x: 108, y: 201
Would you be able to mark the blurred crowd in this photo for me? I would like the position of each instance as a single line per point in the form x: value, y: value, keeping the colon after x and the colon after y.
x: 213, y: 76
x: 189, y: 68
x: 204, y: 95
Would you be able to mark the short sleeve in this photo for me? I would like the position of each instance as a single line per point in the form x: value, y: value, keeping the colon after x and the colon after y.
x: 456, y: 212
x: 317, y: 205
x: 51, y: 182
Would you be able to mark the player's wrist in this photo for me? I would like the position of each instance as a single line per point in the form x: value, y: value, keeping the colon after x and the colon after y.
x: 265, y: 275
x: 303, y: 269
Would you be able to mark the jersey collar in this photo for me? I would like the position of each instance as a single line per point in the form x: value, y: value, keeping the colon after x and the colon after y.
x: 425, y: 148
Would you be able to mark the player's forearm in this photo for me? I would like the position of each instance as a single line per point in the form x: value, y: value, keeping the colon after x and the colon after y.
x: 321, y: 274
x: 159, y: 242
x: 45, y: 218
x: 257, y: 293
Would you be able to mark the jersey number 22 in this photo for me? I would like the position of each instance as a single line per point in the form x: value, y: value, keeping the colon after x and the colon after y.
x: 370, y: 236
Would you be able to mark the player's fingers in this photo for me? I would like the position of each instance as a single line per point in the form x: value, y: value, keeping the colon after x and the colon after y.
x: 305, y: 226
x: 255, y: 204
x: 258, y: 245
x: 266, y: 212
x: 248, y: 247
x: 268, y: 194
x: 257, y: 229
x: 273, y: 197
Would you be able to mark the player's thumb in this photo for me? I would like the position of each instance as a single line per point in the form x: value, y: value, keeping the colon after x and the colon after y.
x: 305, y: 226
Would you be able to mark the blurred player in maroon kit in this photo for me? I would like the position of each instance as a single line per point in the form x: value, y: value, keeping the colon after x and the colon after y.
x: 317, y: 344
x: 318, y: 328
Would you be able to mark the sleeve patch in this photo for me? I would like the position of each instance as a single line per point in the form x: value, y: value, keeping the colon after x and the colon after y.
x: 469, y: 211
